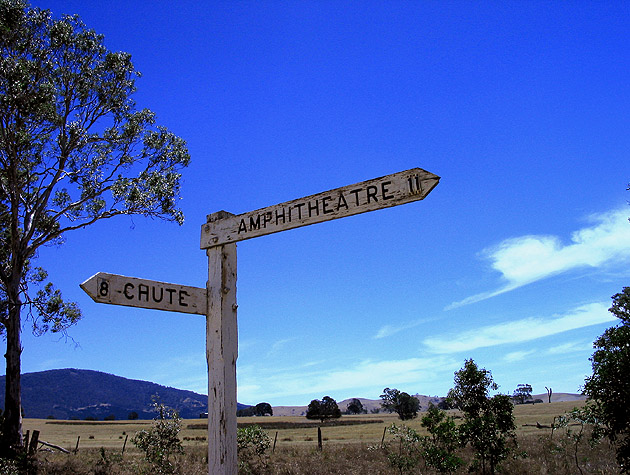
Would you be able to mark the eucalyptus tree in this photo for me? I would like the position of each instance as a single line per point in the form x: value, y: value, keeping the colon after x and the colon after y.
x: 74, y: 149
x: 488, y: 421
x: 403, y: 404
x: 608, y: 388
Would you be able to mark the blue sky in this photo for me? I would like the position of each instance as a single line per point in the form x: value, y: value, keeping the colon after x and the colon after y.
x: 520, y: 107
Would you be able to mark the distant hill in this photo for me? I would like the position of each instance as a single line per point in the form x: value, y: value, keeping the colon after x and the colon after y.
x: 80, y: 393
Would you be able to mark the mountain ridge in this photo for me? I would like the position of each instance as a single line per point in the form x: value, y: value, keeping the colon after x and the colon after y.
x: 81, y: 393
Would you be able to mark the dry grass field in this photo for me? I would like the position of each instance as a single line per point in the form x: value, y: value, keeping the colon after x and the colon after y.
x: 366, y: 429
x: 347, y: 449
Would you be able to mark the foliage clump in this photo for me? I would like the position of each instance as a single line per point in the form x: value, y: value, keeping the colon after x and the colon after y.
x: 323, y: 410
x: 162, y: 439
x: 401, y: 403
x: 252, y: 442
x: 439, y: 448
x: 608, y: 388
x: 488, y: 421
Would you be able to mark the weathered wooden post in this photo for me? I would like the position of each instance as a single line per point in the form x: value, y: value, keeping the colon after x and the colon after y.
x: 218, y: 300
x: 221, y: 353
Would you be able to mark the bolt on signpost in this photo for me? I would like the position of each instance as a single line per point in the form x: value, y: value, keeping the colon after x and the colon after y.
x: 218, y: 300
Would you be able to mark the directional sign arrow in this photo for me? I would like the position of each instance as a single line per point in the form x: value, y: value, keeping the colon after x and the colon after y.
x: 132, y: 292
x: 385, y: 192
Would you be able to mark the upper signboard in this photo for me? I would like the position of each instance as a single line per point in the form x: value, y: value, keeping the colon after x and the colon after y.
x: 133, y: 292
x: 385, y: 192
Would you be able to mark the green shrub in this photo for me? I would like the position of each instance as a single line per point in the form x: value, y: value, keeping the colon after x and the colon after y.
x: 252, y: 442
x: 161, y: 440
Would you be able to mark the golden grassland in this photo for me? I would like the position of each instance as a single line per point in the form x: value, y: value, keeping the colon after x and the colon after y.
x: 350, y: 449
x: 367, y: 429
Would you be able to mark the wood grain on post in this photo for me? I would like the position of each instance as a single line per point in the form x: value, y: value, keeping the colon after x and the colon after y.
x: 221, y: 353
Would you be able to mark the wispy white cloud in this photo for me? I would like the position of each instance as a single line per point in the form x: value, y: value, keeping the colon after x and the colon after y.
x: 526, y: 259
x: 389, y: 330
x: 519, y: 331
x: 517, y: 356
x: 367, y: 376
x: 571, y: 347
x: 279, y: 345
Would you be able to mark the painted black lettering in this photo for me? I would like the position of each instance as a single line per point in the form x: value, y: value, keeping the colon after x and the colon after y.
x: 342, y: 202
x: 170, y: 294
x: 143, y: 290
x: 371, y: 193
x: 384, y: 190
x: 299, y: 208
x: 415, y: 185
x: 356, y: 195
x: 153, y: 293
x: 126, y: 292
x: 103, y: 288
x: 325, y: 208
x: 280, y: 216
x: 182, y: 293
x: 254, y: 224
x: 312, y: 208
x: 266, y: 218
x: 242, y: 227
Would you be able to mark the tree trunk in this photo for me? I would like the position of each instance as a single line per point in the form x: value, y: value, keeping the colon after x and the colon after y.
x: 12, y: 426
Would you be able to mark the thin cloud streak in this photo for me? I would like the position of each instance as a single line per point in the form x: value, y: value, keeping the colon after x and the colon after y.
x: 517, y: 356
x: 570, y: 347
x: 389, y: 330
x: 520, y: 331
x: 367, y: 376
x: 526, y: 259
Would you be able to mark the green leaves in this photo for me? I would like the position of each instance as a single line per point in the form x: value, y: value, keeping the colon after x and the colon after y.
x: 70, y: 131
x: 488, y: 422
x: 621, y: 305
x: 325, y: 409
x: 162, y: 439
x: 608, y: 388
x: 73, y: 148
x: 401, y: 403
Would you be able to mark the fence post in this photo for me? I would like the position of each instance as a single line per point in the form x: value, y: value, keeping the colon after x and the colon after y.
x: 34, y: 441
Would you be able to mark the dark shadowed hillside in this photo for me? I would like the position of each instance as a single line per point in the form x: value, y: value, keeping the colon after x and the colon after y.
x: 78, y: 393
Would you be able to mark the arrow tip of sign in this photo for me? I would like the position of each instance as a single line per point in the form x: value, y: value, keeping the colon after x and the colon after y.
x: 87, y: 286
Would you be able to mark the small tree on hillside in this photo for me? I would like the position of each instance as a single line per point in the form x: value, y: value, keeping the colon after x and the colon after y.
x: 263, y: 409
x: 355, y: 406
x: 325, y: 409
x: 522, y: 394
x: 73, y: 150
x: 401, y: 403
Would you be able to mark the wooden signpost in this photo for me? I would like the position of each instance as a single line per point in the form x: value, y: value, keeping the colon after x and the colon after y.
x: 133, y: 292
x: 218, y: 301
x: 385, y: 192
